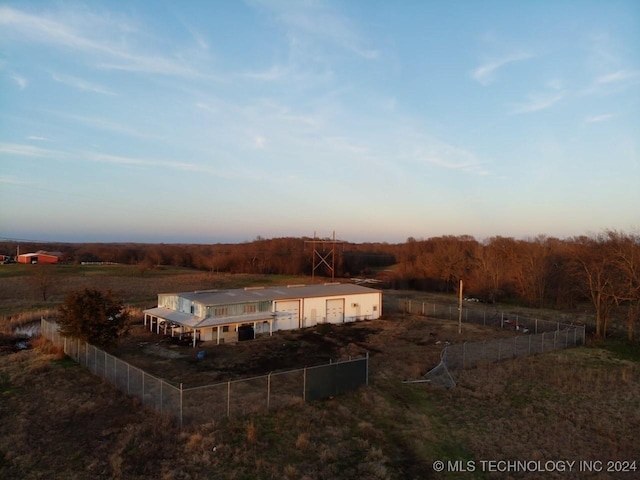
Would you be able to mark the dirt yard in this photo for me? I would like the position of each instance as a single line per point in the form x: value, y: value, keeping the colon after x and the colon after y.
x: 416, y: 342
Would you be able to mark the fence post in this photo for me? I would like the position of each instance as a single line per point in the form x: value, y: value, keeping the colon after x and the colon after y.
x: 268, y: 390
x: 367, y: 370
x: 555, y: 338
x: 228, y: 398
x: 423, y: 309
x: 542, y: 343
x: 536, y: 325
x: 501, y: 319
x: 304, y: 384
x: 180, y: 405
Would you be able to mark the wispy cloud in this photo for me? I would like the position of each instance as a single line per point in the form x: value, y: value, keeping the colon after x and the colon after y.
x: 142, y: 162
x: 485, y: 73
x: 25, y: 150
x: 600, y: 118
x: 12, y: 180
x: 321, y: 22
x: 19, y: 80
x: 102, y: 124
x: 276, y: 72
x: 55, y: 30
x: 81, y: 84
x: 538, y: 102
x: 12, y: 149
x: 619, y: 76
x: 37, y: 138
x: 421, y: 148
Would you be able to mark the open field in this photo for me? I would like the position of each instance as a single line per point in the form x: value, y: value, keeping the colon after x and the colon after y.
x: 581, y: 404
x: 22, y: 286
x: 59, y: 421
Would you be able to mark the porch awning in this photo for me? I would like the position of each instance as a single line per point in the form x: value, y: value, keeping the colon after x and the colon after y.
x: 176, y: 317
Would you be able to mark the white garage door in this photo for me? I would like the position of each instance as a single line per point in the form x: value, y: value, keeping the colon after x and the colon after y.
x: 335, y: 310
x: 287, y: 315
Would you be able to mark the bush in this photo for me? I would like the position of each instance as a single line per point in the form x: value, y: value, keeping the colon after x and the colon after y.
x: 94, y: 316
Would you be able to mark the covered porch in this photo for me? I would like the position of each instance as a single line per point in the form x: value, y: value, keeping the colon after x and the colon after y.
x: 221, y: 329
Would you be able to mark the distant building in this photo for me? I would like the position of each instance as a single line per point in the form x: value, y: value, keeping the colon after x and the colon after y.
x: 5, y: 258
x: 39, y: 257
x: 233, y: 315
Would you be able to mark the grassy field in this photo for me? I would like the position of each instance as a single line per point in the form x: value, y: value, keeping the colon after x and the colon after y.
x: 59, y: 421
x: 22, y: 286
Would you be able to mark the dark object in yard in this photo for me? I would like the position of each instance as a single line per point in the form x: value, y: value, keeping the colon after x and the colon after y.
x: 245, y: 332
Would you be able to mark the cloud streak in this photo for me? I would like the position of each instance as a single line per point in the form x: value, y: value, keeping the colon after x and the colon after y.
x: 538, y: 102
x: 322, y: 23
x: 81, y: 84
x: 52, y: 31
x: 600, y: 118
x: 486, y: 73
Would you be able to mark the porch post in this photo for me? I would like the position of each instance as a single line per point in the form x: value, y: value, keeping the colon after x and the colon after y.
x: 195, y: 332
x: 218, y: 335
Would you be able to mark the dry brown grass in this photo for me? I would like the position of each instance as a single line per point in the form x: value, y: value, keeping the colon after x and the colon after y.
x: 59, y: 421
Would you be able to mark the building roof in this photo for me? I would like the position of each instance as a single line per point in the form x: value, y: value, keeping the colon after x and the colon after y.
x: 174, y: 316
x: 290, y: 292
x: 38, y: 254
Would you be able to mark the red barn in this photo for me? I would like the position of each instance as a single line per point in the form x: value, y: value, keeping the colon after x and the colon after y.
x: 38, y: 257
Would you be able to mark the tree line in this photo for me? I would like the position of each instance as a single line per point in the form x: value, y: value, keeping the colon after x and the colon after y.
x: 602, y: 271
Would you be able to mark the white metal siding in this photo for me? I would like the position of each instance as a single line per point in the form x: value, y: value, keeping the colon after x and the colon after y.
x: 287, y: 315
x: 335, y: 310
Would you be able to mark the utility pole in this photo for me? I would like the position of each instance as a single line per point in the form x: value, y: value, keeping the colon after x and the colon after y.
x: 460, y: 310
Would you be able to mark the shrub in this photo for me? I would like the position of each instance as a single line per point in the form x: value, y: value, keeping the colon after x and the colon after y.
x: 94, y: 316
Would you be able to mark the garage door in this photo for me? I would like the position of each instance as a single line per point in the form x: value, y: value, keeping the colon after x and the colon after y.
x: 335, y: 310
x: 287, y: 315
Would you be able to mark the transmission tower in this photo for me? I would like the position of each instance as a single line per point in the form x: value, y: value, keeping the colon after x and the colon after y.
x: 324, y: 254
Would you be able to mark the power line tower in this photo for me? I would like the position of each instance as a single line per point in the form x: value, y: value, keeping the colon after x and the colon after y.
x: 324, y: 254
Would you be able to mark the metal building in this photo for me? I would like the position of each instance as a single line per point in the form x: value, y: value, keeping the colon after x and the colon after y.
x: 241, y: 314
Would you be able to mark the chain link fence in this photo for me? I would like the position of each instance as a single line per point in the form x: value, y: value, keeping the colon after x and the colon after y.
x: 213, y: 402
x: 532, y: 336
x: 479, y: 315
x: 474, y: 354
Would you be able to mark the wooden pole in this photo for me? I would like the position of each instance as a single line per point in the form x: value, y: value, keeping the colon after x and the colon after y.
x: 460, y: 310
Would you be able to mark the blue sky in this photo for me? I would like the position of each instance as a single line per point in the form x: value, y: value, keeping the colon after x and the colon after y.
x: 216, y: 121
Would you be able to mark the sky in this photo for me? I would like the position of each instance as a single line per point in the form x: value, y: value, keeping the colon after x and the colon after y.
x: 221, y: 121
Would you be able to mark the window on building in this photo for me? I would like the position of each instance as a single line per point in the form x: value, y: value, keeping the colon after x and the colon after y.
x: 225, y: 329
x: 375, y: 308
